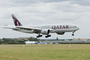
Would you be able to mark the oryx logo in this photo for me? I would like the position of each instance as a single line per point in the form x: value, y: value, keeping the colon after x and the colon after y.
x: 16, y: 22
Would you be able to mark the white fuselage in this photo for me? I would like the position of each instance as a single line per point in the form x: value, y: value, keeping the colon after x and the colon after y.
x: 54, y: 28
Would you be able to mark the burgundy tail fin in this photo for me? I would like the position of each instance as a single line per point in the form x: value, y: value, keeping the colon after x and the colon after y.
x: 16, y: 21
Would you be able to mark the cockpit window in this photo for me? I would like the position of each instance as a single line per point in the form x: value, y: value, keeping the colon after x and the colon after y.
x: 73, y: 26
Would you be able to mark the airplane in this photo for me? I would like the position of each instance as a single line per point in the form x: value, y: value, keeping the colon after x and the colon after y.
x: 60, y: 29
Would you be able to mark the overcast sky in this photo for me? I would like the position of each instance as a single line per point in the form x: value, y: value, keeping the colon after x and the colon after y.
x: 38, y: 12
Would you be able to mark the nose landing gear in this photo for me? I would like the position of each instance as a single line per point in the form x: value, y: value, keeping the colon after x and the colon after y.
x: 73, y: 33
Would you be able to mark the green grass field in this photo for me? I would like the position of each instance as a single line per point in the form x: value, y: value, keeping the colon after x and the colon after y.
x: 45, y: 52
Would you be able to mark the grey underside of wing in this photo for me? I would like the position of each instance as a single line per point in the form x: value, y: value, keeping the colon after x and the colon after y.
x: 36, y: 30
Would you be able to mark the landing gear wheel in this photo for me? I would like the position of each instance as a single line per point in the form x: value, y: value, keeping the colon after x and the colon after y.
x: 72, y: 34
x: 39, y: 36
x: 48, y: 36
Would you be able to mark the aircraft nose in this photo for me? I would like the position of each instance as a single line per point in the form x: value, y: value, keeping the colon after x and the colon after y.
x: 78, y: 28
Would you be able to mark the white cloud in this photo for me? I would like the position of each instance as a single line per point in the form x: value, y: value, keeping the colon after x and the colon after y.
x: 81, y: 2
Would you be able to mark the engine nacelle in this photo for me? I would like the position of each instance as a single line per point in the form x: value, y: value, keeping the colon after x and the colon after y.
x: 45, y: 31
x: 60, y: 33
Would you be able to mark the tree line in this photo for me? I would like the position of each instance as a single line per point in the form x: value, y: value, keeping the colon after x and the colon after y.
x: 16, y: 41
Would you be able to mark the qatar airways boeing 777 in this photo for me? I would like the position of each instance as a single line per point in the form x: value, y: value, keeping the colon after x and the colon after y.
x: 60, y: 29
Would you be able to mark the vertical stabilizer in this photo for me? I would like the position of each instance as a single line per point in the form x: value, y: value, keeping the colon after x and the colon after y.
x: 16, y: 21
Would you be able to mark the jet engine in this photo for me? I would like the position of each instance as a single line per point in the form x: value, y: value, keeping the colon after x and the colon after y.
x: 45, y: 31
x: 60, y: 33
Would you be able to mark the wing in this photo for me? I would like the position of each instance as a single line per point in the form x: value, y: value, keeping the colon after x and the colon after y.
x: 36, y: 30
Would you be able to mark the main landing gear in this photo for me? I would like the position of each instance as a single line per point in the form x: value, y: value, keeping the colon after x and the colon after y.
x: 45, y: 36
x: 39, y: 36
x: 48, y: 36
